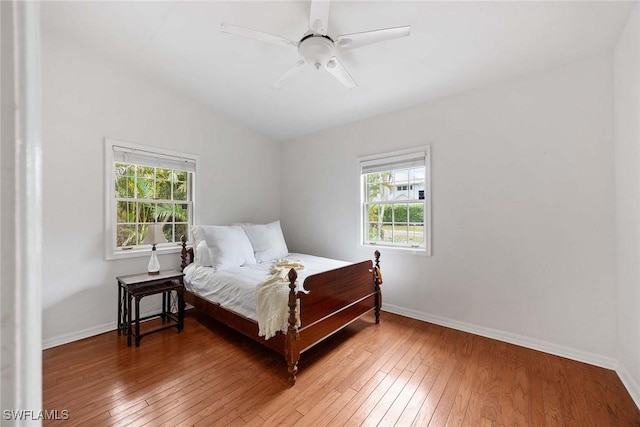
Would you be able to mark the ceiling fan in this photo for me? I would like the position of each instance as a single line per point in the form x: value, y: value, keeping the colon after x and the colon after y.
x: 318, y: 49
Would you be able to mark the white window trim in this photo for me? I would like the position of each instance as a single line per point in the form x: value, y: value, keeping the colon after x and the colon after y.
x: 427, y: 250
x: 110, y: 252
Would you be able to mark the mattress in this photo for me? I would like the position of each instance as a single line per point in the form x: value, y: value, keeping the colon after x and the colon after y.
x: 235, y: 289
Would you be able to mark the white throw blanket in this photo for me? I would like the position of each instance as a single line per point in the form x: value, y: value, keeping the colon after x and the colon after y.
x: 272, y: 298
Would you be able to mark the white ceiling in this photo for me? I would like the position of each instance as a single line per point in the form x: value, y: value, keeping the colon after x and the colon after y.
x: 453, y: 46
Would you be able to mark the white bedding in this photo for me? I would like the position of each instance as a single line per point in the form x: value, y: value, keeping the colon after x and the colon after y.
x: 234, y: 289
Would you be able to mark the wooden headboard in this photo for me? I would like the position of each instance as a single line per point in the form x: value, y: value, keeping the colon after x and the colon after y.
x: 186, y: 254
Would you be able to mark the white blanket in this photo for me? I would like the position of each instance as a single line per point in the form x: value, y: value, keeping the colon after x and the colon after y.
x: 272, y: 295
x: 235, y: 289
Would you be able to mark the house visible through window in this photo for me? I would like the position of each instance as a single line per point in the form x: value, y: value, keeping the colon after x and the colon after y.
x: 146, y: 187
x: 396, y: 200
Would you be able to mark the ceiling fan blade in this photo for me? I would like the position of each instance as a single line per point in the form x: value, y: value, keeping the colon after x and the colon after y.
x: 257, y: 35
x: 288, y: 75
x: 337, y: 70
x: 319, y: 16
x: 356, y: 40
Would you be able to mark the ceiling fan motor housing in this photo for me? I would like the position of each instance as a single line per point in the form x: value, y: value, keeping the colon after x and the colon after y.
x: 316, y: 50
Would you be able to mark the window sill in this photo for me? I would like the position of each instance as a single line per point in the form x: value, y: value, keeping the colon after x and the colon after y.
x: 141, y: 252
x: 395, y: 249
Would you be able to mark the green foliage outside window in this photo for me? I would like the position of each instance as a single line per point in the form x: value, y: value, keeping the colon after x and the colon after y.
x: 397, y: 213
x: 146, y: 195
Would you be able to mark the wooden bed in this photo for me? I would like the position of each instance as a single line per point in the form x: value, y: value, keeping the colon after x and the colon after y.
x: 335, y: 299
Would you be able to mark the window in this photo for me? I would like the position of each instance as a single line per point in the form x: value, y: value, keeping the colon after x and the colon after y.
x: 146, y: 185
x: 395, y: 200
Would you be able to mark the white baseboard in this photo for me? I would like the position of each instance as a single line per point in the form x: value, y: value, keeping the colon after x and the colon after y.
x: 631, y: 385
x: 85, y: 333
x: 511, y: 338
x: 78, y: 335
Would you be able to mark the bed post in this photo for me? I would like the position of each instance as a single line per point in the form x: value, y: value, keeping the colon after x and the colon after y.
x: 377, y: 282
x: 183, y: 254
x: 292, y: 349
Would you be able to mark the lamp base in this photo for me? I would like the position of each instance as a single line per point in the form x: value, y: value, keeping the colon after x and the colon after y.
x: 154, y: 266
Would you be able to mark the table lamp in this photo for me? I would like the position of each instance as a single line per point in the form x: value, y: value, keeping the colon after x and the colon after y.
x: 153, y: 237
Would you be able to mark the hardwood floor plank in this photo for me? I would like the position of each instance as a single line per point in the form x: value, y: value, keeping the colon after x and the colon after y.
x: 364, y: 373
x: 521, y: 391
x: 362, y: 395
x: 436, y: 413
x: 319, y: 374
x: 114, y: 373
x: 491, y: 386
x: 331, y: 411
x: 400, y: 350
x: 452, y: 371
x: 385, y: 403
x: 413, y: 351
x: 552, y: 407
x: 430, y: 347
x: 536, y: 393
x: 328, y: 381
x: 220, y: 382
x: 127, y: 407
x: 473, y: 415
x: 570, y: 415
x: 432, y: 398
x: 373, y: 398
x: 506, y: 405
x: 232, y: 392
x: 422, y: 392
x: 309, y: 419
x: 285, y: 416
x: 470, y: 382
x: 100, y: 419
x: 400, y: 372
x: 218, y: 411
x: 391, y: 416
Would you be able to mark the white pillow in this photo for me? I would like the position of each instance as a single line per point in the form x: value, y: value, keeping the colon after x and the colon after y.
x: 200, y: 249
x: 229, y: 246
x: 267, y: 241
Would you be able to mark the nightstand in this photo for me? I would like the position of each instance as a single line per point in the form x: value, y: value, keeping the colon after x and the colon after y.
x: 169, y: 283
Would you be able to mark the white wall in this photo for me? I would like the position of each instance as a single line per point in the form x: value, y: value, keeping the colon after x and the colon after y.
x: 86, y: 98
x: 627, y: 161
x: 523, y: 208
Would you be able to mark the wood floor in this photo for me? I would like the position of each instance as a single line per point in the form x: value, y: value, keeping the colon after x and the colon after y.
x: 402, y: 372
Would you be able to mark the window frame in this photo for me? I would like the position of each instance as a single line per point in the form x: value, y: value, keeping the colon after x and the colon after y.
x: 111, y: 251
x: 384, y: 158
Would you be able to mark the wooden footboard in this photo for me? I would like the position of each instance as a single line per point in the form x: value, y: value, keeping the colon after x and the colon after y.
x: 335, y: 290
x: 333, y: 300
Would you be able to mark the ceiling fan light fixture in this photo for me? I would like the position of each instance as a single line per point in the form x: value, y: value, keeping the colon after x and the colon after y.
x: 317, y: 51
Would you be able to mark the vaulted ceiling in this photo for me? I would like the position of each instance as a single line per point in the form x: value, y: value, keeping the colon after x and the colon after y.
x: 453, y: 47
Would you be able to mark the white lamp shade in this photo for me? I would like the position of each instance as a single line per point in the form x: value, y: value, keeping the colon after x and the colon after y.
x: 154, y: 234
